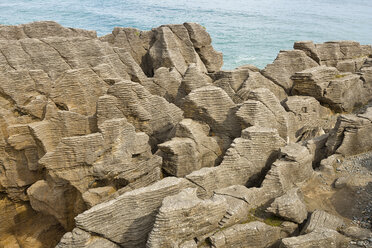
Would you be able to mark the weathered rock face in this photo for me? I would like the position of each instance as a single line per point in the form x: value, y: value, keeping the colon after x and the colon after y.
x: 352, y: 134
x: 168, y: 46
x: 263, y: 109
x: 341, y: 92
x: 182, y: 217
x: 252, y: 235
x: 92, y: 128
x: 81, y: 239
x: 243, y: 162
x: 213, y: 106
x: 346, y: 56
x: 290, y: 206
x: 322, y: 219
x: 317, y: 238
x: 307, y: 118
x: 285, y: 65
x: 128, y: 219
x: 190, y: 150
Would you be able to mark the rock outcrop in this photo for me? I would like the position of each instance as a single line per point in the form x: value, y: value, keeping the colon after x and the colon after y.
x: 139, y: 139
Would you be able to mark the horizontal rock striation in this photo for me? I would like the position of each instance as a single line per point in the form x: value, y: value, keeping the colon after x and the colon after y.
x: 139, y: 139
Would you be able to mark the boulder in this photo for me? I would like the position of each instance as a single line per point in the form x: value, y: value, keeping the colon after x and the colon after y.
x: 351, y: 134
x: 341, y: 92
x: 245, y: 161
x: 263, y: 109
x: 185, y: 217
x: 78, y: 238
x: 293, y: 168
x: 290, y: 206
x: 322, y: 219
x: 346, y: 56
x: 307, y: 118
x: 251, y: 235
x: 213, y: 106
x: 148, y: 113
x: 320, y: 237
x: 201, y: 40
x: 191, y: 149
x: 128, y: 219
x: 285, y: 65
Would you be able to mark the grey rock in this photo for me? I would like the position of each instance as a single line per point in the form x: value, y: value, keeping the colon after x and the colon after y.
x: 78, y: 238
x: 290, y: 206
x: 213, y: 106
x: 285, y: 65
x: 322, y: 219
x: 342, y: 92
x: 355, y: 232
x: 252, y: 235
x: 351, y: 134
x: 320, y: 237
x: 263, y: 109
x: 191, y: 149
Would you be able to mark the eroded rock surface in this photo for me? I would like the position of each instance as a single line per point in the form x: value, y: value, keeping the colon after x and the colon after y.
x: 92, y: 129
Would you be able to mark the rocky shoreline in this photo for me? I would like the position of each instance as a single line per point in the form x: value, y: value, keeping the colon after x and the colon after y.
x: 139, y: 139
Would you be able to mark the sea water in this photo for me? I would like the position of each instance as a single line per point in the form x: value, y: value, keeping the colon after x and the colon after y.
x: 246, y: 31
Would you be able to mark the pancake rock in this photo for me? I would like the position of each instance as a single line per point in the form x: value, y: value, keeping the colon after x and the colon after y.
x: 190, y: 150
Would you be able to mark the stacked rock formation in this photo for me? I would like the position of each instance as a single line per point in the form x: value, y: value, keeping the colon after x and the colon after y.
x: 139, y: 139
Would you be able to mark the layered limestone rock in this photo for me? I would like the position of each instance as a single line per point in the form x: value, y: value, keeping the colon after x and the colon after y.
x: 290, y: 206
x: 243, y: 163
x: 168, y: 46
x: 148, y: 113
x: 321, y: 219
x: 318, y: 238
x: 346, y: 56
x: 285, y: 65
x: 182, y: 217
x: 351, y: 134
x: 307, y: 118
x: 253, y: 235
x: 191, y: 149
x: 213, y: 106
x: 91, y: 129
x: 341, y: 92
x: 81, y: 239
x: 129, y: 218
x: 263, y: 109
x: 293, y: 168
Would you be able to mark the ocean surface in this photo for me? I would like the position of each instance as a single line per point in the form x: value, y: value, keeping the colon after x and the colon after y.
x: 246, y: 31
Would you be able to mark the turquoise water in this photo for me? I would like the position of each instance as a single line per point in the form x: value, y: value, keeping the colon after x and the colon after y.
x: 246, y: 31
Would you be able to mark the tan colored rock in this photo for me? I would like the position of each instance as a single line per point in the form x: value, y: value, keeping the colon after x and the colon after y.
x: 351, y: 134
x: 263, y: 109
x: 250, y: 235
x: 285, y: 65
x: 213, y: 106
x: 290, y: 206
x: 128, y: 219
x: 322, y: 219
x: 201, y: 40
x: 307, y: 118
x: 341, y: 92
x: 190, y: 150
x: 78, y: 238
x: 148, y: 113
x: 318, y: 238
x: 42, y: 29
x: 244, y: 160
x: 184, y: 217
